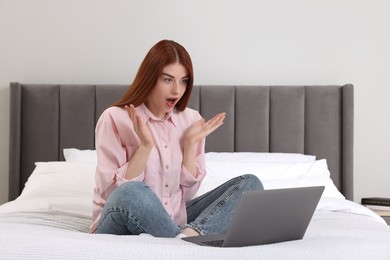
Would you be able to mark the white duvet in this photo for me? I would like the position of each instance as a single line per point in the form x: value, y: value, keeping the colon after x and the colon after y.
x: 51, y: 218
x: 340, y: 229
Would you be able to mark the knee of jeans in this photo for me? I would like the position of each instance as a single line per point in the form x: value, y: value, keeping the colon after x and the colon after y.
x: 253, y: 182
x: 127, y: 194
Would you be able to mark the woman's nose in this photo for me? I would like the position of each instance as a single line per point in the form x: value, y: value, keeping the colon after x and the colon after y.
x: 176, y: 87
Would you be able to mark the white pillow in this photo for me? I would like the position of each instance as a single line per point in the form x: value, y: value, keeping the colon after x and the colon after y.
x: 76, y: 155
x: 59, y: 186
x: 259, y: 157
x: 275, y: 170
x: 273, y: 175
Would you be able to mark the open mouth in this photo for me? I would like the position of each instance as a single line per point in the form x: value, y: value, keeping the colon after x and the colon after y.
x: 171, y: 102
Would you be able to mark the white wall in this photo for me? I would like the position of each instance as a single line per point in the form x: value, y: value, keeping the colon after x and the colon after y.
x: 231, y: 42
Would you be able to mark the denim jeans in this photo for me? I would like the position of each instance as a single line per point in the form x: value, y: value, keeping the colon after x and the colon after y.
x: 133, y: 208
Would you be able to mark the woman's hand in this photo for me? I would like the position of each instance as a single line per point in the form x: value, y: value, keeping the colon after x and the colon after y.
x: 194, y: 135
x: 201, y: 129
x: 138, y: 161
x: 140, y: 128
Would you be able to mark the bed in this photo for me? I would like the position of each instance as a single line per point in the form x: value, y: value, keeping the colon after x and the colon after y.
x: 289, y: 136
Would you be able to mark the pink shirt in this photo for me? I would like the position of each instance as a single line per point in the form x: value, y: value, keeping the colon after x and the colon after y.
x: 164, y: 173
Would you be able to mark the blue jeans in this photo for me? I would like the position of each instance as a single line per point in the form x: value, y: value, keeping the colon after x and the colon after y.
x: 133, y: 208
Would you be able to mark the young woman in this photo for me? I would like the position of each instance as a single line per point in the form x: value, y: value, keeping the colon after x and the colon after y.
x: 151, y: 162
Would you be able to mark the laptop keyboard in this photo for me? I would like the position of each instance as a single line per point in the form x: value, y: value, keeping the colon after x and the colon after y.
x: 216, y: 243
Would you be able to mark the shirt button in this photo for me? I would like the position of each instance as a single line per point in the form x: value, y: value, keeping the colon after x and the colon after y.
x: 166, y: 185
x: 166, y: 166
x: 165, y: 146
x: 165, y: 203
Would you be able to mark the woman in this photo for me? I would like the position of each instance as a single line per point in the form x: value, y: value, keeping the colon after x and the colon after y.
x: 150, y: 149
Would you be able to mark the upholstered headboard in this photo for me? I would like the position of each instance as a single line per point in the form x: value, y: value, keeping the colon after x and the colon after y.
x: 315, y: 120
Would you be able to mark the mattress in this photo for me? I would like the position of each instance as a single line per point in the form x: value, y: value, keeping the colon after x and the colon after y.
x: 339, y: 229
x: 52, y: 216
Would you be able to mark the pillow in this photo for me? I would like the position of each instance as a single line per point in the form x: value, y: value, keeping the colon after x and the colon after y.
x: 76, y: 155
x: 58, y: 179
x: 259, y: 157
x: 59, y: 186
x: 273, y: 175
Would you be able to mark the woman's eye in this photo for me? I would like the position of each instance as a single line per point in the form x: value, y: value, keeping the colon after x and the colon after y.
x: 184, y: 81
x: 168, y: 80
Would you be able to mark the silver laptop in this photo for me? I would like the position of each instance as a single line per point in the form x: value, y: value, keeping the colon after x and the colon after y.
x: 267, y: 216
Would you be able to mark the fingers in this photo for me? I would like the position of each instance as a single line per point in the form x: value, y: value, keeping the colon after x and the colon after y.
x: 131, y: 111
x: 216, y: 121
x: 133, y: 116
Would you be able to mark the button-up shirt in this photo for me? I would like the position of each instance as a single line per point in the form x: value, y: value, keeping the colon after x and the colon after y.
x: 116, y: 142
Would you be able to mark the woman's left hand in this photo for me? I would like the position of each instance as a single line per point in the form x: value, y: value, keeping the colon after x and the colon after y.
x: 201, y: 128
x: 196, y: 133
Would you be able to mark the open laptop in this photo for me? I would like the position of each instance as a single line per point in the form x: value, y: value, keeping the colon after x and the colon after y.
x: 267, y: 216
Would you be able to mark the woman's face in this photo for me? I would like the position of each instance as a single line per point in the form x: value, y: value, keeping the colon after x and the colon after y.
x: 170, y: 87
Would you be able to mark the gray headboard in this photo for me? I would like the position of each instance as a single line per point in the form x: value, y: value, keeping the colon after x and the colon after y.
x: 315, y: 120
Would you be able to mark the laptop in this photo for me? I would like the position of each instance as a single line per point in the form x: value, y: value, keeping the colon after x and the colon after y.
x: 266, y: 217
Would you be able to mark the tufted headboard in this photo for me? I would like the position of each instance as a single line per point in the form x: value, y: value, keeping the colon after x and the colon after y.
x: 317, y: 120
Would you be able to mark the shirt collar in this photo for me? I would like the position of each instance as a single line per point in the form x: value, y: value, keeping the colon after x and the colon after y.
x: 146, y: 115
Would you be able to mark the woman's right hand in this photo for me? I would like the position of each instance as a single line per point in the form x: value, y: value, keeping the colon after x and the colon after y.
x: 140, y: 128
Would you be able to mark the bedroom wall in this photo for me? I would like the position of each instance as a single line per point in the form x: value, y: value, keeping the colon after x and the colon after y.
x: 231, y: 42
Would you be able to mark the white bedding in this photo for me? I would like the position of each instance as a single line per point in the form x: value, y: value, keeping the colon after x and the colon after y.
x: 340, y: 229
x: 348, y: 232
x: 51, y: 218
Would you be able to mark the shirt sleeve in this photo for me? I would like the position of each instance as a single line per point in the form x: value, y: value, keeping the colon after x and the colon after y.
x: 112, y: 155
x: 189, y: 183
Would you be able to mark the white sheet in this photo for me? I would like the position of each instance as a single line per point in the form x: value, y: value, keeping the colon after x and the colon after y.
x: 340, y: 229
x: 50, y: 220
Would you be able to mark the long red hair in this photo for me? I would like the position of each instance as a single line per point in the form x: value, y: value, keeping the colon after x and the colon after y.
x: 163, y: 53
